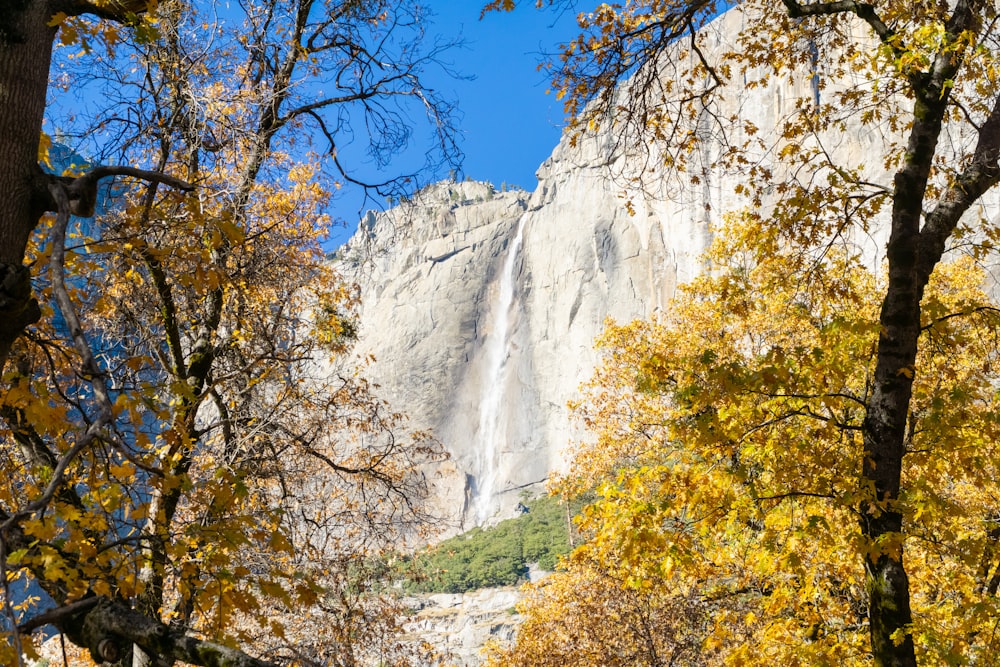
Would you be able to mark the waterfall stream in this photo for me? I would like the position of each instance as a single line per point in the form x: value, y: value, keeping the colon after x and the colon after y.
x: 492, y: 431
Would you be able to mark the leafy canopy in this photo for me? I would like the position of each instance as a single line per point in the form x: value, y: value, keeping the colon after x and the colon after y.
x: 191, y: 462
x: 725, y: 461
x: 869, y: 123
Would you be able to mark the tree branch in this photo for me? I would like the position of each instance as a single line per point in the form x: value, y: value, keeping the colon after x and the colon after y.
x: 58, y: 615
x: 866, y: 12
x: 979, y: 309
x: 108, y: 629
x: 981, y: 175
x: 81, y: 191
x: 168, y: 313
x: 110, y: 10
x: 862, y: 10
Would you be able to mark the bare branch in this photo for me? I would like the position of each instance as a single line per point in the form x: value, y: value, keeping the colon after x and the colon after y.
x: 108, y: 629
x: 862, y: 10
x: 81, y: 191
x: 58, y: 615
x: 104, y: 171
x: 981, y: 309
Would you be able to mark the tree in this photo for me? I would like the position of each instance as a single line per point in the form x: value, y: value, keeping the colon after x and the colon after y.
x: 728, y: 434
x: 180, y: 461
x: 588, y: 615
x: 919, y: 79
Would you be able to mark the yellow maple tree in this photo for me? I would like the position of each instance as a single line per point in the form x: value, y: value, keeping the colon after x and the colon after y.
x: 726, y: 453
x: 916, y: 82
x: 194, y: 469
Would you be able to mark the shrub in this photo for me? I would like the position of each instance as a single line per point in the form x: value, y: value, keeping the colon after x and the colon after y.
x: 496, y: 556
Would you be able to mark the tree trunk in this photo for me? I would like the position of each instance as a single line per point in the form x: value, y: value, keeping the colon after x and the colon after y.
x: 25, y: 54
x: 885, y: 423
x: 884, y: 432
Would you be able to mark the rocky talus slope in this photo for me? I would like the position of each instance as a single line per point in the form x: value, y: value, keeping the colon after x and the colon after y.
x: 458, y: 625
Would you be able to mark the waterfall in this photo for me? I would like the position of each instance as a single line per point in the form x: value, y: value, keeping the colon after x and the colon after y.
x: 492, y: 431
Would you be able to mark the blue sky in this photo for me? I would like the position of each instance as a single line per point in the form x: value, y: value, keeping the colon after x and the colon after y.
x: 508, y: 123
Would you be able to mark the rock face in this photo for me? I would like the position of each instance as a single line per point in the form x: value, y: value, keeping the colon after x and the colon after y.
x: 481, y: 307
x: 459, y: 625
x: 481, y: 310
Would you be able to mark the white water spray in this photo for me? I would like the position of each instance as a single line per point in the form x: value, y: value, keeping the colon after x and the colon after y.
x: 492, y: 431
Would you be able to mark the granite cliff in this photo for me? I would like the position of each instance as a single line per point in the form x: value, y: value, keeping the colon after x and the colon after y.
x: 481, y: 307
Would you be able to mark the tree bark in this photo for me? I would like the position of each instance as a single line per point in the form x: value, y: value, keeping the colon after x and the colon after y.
x: 25, y: 54
x: 888, y: 409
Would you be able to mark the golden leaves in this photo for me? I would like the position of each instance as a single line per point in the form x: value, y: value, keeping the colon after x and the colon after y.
x: 724, y: 463
x: 219, y: 472
x: 44, y: 148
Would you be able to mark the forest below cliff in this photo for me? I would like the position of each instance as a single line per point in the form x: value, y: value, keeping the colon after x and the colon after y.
x: 793, y: 461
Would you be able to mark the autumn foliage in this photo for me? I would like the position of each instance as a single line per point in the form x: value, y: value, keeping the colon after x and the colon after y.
x: 725, y: 458
x: 193, y: 467
x: 807, y: 437
x: 240, y: 470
